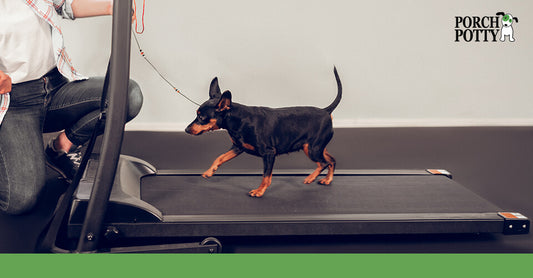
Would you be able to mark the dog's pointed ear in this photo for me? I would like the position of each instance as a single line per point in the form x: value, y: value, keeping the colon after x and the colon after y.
x: 225, y: 102
x: 214, y: 89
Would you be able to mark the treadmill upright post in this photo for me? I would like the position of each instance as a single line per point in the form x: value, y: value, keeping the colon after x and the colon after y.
x: 119, y: 71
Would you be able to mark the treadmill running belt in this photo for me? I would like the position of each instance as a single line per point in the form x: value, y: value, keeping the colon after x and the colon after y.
x: 348, y: 194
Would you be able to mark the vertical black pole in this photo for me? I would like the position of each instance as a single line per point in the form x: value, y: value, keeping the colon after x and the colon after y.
x: 119, y: 71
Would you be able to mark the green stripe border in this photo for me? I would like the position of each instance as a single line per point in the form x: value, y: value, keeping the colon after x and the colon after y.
x: 263, y: 265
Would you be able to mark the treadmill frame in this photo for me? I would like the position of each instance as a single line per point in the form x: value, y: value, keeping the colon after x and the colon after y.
x: 132, y: 217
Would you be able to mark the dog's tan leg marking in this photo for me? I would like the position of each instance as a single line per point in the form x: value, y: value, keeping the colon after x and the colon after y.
x: 320, y: 167
x: 331, y: 168
x: 261, y: 189
x: 311, y: 178
x: 223, y: 158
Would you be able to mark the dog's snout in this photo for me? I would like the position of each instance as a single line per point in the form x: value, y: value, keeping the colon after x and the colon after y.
x: 188, y: 129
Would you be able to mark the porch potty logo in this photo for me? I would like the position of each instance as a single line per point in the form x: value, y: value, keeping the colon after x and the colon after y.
x: 485, y: 28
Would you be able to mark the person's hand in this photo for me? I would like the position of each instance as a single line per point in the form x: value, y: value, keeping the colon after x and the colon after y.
x: 5, y: 83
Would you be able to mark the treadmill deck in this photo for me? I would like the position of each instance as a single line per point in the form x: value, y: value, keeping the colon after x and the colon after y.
x: 348, y: 194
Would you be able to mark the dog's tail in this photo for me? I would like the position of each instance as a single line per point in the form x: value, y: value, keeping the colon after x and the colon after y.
x: 337, y: 100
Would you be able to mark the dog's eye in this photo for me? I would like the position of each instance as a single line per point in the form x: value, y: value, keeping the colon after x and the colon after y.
x: 202, y: 118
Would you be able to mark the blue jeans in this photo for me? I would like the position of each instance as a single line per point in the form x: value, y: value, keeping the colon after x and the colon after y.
x: 48, y: 104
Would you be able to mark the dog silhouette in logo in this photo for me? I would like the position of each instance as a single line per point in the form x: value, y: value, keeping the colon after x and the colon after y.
x: 507, y: 28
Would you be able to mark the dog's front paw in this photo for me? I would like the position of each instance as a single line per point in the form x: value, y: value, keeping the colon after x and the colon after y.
x: 209, y: 173
x: 258, y: 193
x: 309, y: 180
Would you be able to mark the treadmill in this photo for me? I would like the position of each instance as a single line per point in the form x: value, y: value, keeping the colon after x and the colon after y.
x: 120, y: 203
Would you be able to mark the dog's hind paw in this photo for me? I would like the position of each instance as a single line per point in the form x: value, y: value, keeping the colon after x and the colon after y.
x: 325, y: 181
x: 258, y: 193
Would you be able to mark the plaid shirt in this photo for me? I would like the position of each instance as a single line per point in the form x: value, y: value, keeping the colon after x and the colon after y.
x: 49, y: 10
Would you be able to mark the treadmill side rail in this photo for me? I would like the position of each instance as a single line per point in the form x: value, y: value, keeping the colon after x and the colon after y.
x: 312, y: 225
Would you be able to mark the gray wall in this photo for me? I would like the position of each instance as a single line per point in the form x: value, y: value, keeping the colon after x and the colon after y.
x: 398, y: 60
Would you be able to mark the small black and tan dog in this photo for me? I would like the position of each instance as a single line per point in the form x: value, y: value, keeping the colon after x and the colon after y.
x: 268, y: 132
